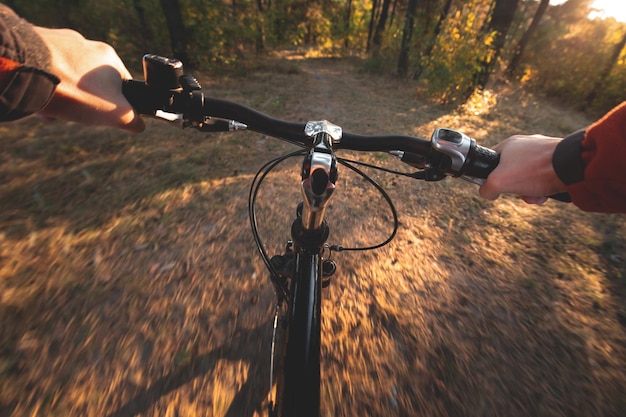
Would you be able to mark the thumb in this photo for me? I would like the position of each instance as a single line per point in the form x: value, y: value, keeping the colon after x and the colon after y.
x: 488, y: 190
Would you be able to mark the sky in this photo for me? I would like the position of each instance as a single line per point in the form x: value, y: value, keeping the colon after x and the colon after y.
x: 607, y: 8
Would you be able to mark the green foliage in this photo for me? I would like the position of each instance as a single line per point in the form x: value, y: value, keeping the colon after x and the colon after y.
x: 612, y: 90
x: 568, y: 68
x: 564, y: 58
x: 450, y: 69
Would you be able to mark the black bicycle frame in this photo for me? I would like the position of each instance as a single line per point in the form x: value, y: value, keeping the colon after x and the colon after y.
x: 301, y: 385
x: 301, y: 391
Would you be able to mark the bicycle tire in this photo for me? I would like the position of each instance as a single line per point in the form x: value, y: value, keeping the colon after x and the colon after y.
x: 298, y: 392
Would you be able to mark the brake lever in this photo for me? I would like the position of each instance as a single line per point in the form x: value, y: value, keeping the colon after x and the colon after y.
x: 169, y: 95
x: 427, y: 172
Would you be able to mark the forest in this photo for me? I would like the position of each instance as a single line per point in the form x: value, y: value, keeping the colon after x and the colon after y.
x: 445, y: 48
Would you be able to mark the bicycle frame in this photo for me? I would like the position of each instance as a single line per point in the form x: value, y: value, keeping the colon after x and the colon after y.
x: 300, y: 387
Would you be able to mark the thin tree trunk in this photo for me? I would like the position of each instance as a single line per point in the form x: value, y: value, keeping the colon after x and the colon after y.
x: 346, y: 24
x: 260, y: 27
x: 372, y: 24
x: 178, y: 36
x: 407, y: 35
x: 377, y: 39
x: 146, y: 35
x: 499, y: 24
x: 521, y: 46
x: 433, y: 39
x: 606, y: 71
x: 392, y: 14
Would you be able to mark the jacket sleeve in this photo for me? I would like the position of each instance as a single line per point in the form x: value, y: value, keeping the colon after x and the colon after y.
x: 592, y: 164
x: 26, y: 85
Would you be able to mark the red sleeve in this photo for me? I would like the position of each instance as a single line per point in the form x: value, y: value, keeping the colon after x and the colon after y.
x: 603, y: 154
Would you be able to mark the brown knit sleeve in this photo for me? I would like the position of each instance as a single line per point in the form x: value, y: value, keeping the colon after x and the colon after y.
x: 26, y: 85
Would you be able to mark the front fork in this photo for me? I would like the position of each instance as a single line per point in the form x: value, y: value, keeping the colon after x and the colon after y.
x: 303, y: 269
x: 304, y: 272
x: 284, y: 264
x: 319, y: 174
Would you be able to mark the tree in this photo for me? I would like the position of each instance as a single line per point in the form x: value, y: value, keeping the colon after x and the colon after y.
x: 606, y: 71
x: 433, y: 38
x: 260, y: 27
x: 498, y: 27
x: 372, y: 24
x: 571, y: 11
x: 519, y: 49
x: 407, y: 35
x: 346, y: 24
x: 178, y: 35
x: 377, y: 38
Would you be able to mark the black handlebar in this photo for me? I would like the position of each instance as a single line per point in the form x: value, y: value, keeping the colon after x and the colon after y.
x: 174, y: 96
x: 148, y: 100
x: 202, y: 112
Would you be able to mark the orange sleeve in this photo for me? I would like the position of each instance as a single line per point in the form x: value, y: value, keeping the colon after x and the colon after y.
x: 603, y: 153
x: 7, y: 66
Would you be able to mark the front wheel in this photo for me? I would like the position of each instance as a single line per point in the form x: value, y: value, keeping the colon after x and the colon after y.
x: 298, y: 387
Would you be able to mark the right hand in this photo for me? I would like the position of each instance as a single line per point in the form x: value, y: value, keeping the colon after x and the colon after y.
x: 525, y: 169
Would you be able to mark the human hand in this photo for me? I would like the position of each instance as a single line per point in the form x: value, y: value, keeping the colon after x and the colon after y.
x: 91, y: 74
x: 525, y: 169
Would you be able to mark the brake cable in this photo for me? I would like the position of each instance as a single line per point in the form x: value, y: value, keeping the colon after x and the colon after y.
x: 282, y: 292
x: 270, y: 166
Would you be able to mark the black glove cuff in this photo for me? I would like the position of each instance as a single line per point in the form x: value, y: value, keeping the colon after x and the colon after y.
x: 567, y: 159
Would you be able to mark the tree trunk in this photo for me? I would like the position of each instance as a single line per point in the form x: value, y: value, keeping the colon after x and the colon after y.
x: 346, y: 24
x: 521, y: 46
x: 606, y: 71
x: 393, y: 12
x: 260, y: 27
x: 499, y: 24
x: 145, y: 35
x: 407, y: 35
x: 433, y: 39
x: 377, y: 39
x: 178, y: 36
x: 372, y: 24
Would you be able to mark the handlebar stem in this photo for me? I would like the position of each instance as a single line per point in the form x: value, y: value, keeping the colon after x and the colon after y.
x: 319, y: 173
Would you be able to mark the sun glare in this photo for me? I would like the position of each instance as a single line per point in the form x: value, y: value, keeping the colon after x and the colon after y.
x: 603, y: 9
x: 609, y: 8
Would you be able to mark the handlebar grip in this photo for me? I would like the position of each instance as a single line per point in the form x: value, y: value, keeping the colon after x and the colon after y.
x: 481, y: 161
x: 143, y: 98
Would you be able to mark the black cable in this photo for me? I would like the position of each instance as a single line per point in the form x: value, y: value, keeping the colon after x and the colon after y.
x: 394, y: 212
x: 387, y: 170
x: 282, y: 290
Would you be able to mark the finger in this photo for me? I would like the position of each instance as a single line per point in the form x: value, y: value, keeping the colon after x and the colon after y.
x: 534, y: 200
x: 488, y: 192
x: 136, y: 124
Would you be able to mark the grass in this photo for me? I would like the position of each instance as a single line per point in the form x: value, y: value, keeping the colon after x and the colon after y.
x: 129, y: 284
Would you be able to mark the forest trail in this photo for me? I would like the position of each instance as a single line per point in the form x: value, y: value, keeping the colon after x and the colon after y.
x: 130, y: 285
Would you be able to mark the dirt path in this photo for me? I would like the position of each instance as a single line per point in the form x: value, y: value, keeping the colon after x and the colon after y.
x: 129, y: 283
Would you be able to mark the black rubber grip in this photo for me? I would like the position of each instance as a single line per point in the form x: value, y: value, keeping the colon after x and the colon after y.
x: 481, y: 161
x: 143, y: 98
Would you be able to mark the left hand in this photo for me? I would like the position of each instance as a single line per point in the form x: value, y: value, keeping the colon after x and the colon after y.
x: 91, y: 74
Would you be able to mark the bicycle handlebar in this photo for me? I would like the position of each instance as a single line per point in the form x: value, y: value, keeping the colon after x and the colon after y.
x: 169, y: 94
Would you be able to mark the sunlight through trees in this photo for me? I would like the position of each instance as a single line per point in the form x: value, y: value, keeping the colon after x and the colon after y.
x: 569, y: 50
